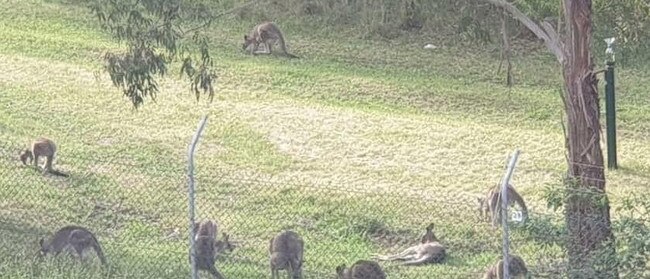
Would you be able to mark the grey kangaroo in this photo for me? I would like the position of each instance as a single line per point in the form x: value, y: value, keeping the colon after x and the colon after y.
x: 78, y: 237
x: 287, y: 253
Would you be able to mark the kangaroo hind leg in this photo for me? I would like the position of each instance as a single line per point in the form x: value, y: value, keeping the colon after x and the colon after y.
x: 400, y: 256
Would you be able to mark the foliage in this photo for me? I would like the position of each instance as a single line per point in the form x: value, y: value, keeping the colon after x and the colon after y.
x: 469, y: 20
x: 539, y: 9
x: 478, y: 23
x: 154, y: 33
x: 628, y: 21
x: 633, y: 236
x: 630, y: 227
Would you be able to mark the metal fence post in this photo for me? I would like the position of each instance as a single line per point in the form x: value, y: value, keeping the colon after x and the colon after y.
x: 504, y: 212
x: 191, y: 192
x: 610, y: 112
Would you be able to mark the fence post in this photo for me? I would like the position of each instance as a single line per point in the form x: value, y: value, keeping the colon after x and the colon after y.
x: 610, y: 112
x: 610, y: 104
x: 190, y: 192
x: 504, y: 212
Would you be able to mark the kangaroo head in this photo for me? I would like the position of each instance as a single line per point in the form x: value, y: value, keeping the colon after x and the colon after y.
x: 481, y: 203
x: 297, y: 273
x: 247, y: 41
x: 517, y: 265
x: 26, y: 154
x: 224, y: 244
x: 340, y: 271
x: 44, y: 247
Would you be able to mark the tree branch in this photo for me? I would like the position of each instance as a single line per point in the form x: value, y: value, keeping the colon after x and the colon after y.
x: 551, y: 40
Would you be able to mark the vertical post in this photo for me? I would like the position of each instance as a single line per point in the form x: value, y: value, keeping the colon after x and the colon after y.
x: 191, y: 192
x: 504, y: 212
x: 610, y: 111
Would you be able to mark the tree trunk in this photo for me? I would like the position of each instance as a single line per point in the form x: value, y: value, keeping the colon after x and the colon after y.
x: 506, y: 52
x: 590, y: 244
x: 587, y: 206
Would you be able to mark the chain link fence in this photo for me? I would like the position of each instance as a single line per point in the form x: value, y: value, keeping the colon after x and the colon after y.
x: 138, y: 209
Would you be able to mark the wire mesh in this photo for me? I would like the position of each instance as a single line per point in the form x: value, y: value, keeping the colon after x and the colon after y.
x: 138, y: 211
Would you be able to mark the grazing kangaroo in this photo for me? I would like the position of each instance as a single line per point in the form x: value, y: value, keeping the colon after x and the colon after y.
x: 287, y: 253
x: 429, y: 250
x: 78, y: 237
x: 207, y: 247
x: 516, y: 267
x: 490, y: 206
x: 362, y: 269
x: 266, y: 33
x: 41, y: 147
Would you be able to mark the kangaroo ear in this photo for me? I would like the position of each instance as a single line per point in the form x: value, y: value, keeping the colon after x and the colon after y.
x: 245, y: 37
x: 339, y: 269
x: 41, y: 241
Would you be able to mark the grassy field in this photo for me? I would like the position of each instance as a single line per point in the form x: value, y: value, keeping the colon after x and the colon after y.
x: 357, y: 146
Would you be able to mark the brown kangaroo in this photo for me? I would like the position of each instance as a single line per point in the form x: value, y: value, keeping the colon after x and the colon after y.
x: 287, y: 253
x: 207, y: 247
x: 429, y: 250
x: 516, y: 268
x: 362, y: 269
x: 41, y: 147
x: 266, y: 33
x: 490, y: 206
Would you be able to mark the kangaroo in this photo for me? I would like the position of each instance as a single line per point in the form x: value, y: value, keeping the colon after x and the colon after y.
x: 223, y: 245
x: 78, y: 237
x: 490, y: 206
x: 428, y: 236
x: 207, y: 246
x: 266, y: 33
x: 41, y: 147
x: 362, y: 269
x: 429, y: 250
x: 287, y: 249
x: 516, y: 268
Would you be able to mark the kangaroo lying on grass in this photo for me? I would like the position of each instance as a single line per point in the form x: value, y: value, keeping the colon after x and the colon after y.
x: 287, y: 253
x: 429, y: 250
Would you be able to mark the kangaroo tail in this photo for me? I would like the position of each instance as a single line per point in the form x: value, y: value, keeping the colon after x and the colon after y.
x: 100, y: 253
x: 98, y: 250
x: 283, y: 46
x: 419, y: 261
x: 58, y: 173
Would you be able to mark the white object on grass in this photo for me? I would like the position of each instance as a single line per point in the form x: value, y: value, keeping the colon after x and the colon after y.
x: 517, y: 216
x: 430, y: 46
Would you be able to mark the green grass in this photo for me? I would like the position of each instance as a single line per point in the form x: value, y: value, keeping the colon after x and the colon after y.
x: 357, y: 146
